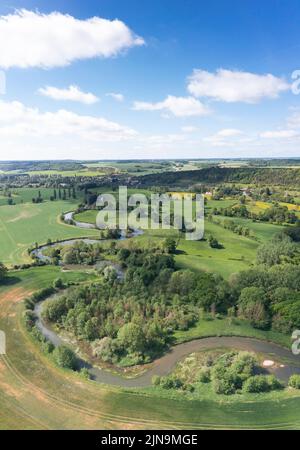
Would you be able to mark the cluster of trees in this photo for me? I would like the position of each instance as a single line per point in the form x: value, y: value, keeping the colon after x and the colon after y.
x: 38, y: 199
x: 276, y: 214
x: 63, y: 194
x: 269, y: 297
x: 79, y: 253
x: 215, y: 175
x: 231, y: 225
x: 279, y: 249
x: 132, y: 320
x: 228, y: 374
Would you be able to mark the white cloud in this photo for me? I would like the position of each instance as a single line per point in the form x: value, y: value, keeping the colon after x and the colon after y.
x: 279, y: 134
x: 72, y: 93
x: 116, y: 96
x: 189, y: 129
x: 229, y: 132
x: 226, y: 137
x: 178, y: 106
x: 33, y: 39
x: 17, y: 120
x: 235, y: 86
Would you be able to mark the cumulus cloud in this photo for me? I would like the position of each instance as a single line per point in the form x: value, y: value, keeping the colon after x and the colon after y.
x: 235, y: 86
x: 116, y: 96
x: 72, y: 93
x: 33, y: 39
x: 178, y: 106
x: 17, y: 120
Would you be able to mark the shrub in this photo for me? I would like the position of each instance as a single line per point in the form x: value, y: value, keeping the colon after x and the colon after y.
x: 47, y: 347
x: 262, y: 383
x: 224, y: 385
x: 58, y: 283
x: 85, y: 373
x: 155, y: 380
x: 171, y: 383
x: 29, y: 319
x: 65, y: 357
x: 204, y: 375
x: 294, y: 381
x: 274, y: 383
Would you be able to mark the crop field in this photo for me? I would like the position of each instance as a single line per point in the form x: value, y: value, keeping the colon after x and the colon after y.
x: 259, y: 206
x: 24, y: 224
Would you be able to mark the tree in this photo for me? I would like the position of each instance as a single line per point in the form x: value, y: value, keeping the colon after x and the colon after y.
x: 65, y: 357
x: 294, y: 381
x: 251, y: 306
x: 3, y: 271
x: 213, y: 242
x: 170, y: 245
x: 274, y: 251
x: 131, y: 337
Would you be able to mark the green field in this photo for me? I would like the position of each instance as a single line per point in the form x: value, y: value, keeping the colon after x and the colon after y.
x: 24, y: 224
x: 238, y: 252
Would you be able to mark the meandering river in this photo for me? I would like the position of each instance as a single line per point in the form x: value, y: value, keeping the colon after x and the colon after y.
x: 165, y: 364
x: 289, y: 363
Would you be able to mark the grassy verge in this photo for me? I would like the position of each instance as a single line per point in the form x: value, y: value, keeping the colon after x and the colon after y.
x: 223, y: 327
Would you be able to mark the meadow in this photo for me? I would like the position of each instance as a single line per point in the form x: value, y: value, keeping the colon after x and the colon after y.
x: 238, y: 252
x: 23, y: 225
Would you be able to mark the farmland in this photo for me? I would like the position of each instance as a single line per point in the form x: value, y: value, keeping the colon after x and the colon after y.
x: 38, y: 394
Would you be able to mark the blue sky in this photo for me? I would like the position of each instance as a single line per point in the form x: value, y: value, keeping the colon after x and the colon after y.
x: 194, y: 79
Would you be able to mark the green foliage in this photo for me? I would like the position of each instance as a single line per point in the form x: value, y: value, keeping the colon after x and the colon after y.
x: 85, y: 373
x: 131, y: 320
x: 231, y: 370
x: 213, y: 175
x: 170, y: 245
x: 280, y: 248
x: 58, y: 283
x: 294, y: 381
x: 270, y: 295
x: 213, y: 242
x: 252, y: 307
x: 204, y: 375
x: 3, y: 271
x: 261, y: 383
x: 29, y: 319
x: 64, y: 357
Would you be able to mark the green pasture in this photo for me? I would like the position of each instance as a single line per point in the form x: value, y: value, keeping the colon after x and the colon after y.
x: 24, y: 224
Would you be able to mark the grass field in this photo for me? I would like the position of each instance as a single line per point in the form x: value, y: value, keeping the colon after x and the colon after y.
x: 24, y: 224
x: 224, y: 327
x: 238, y: 252
x: 36, y: 394
x: 25, y: 195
